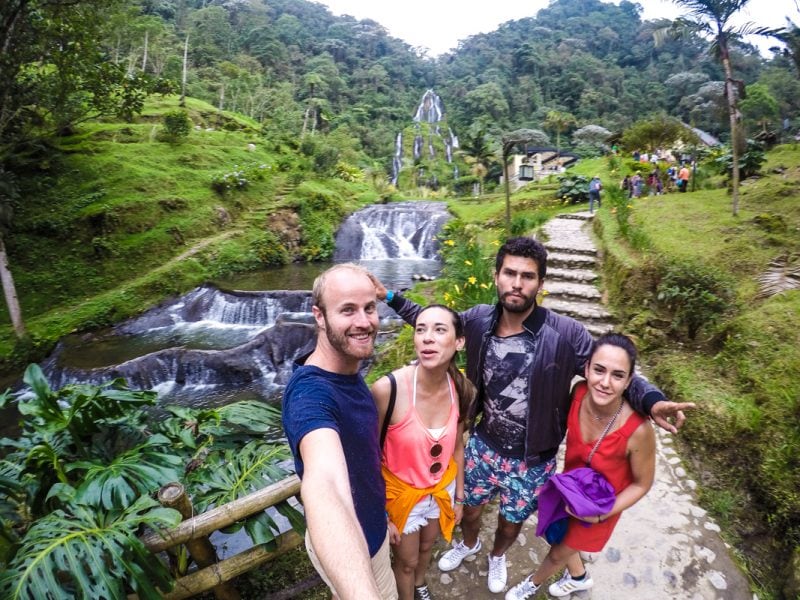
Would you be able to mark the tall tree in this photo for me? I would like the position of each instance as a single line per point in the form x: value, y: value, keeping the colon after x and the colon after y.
x: 559, y: 121
x: 712, y: 20
x: 477, y: 153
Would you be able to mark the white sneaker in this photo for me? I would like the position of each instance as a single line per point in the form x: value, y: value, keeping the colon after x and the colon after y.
x: 453, y: 558
x: 566, y: 585
x: 523, y: 590
x: 498, y: 574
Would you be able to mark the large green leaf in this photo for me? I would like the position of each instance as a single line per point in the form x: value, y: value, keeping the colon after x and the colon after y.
x: 81, y: 409
x: 252, y: 416
x: 141, y: 470
x: 79, y: 553
x: 226, y: 476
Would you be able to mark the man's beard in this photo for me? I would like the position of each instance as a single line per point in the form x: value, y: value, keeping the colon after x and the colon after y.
x: 517, y: 308
x: 341, y: 342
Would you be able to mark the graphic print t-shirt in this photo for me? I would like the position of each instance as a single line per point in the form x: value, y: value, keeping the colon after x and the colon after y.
x: 506, y: 381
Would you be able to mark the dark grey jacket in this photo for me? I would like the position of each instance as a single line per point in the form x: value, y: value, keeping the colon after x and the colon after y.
x: 562, y: 351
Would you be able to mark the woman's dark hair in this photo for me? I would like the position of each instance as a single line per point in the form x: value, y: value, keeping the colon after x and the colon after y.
x: 620, y: 341
x: 464, y: 388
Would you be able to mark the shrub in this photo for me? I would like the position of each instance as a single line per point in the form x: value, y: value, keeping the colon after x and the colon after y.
x: 177, y: 125
x: 239, y: 178
x: 696, y: 295
x: 750, y: 161
x: 269, y: 250
x: 573, y: 189
x: 467, y: 274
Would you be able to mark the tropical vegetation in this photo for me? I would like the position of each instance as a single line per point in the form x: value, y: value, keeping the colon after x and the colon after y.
x: 147, y: 147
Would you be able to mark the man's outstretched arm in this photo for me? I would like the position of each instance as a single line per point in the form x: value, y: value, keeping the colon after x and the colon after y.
x: 331, y: 517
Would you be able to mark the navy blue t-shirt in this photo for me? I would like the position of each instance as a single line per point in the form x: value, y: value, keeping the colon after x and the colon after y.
x: 317, y: 399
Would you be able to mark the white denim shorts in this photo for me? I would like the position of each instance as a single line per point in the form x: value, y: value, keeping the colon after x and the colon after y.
x: 425, y: 510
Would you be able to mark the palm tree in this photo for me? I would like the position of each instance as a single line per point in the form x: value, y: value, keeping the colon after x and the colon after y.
x: 559, y: 121
x: 478, y: 154
x: 711, y: 19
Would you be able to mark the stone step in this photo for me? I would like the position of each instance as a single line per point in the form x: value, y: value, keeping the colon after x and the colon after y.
x: 561, y: 247
x: 569, y: 289
x: 558, y: 274
x: 583, y: 215
x: 598, y: 329
x: 566, y: 260
x: 585, y: 312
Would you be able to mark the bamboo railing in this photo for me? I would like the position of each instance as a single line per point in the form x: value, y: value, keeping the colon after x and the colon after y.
x: 194, y: 532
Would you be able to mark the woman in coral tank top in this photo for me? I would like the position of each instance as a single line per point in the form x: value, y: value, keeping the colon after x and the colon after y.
x: 423, y: 451
x: 625, y: 456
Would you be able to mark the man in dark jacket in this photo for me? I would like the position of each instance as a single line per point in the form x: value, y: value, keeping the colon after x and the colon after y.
x: 522, y: 359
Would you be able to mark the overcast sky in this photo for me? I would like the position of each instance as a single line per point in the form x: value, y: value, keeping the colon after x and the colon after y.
x: 438, y: 25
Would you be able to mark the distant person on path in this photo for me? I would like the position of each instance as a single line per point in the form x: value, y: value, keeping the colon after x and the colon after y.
x: 594, y: 192
x: 683, y: 178
x: 605, y: 433
x: 636, y: 185
x: 522, y: 358
x: 423, y: 451
x: 625, y: 185
x: 331, y: 423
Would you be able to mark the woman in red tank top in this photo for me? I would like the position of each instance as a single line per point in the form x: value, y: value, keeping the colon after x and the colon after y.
x: 423, y: 453
x: 624, y: 454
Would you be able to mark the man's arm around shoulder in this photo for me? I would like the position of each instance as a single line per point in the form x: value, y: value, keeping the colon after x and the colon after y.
x: 331, y: 517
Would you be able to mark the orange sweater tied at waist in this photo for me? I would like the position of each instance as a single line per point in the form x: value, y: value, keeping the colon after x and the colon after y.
x: 401, y: 498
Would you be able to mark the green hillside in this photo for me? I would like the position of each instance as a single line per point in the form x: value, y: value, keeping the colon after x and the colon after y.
x: 118, y: 217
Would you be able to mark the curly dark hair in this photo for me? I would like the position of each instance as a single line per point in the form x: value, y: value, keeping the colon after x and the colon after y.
x: 525, y: 247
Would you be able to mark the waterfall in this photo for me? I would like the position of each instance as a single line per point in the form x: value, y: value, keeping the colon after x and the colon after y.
x: 430, y: 109
x: 396, y: 230
x: 418, y: 141
x: 280, y: 331
x: 397, y: 161
x: 453, y: 138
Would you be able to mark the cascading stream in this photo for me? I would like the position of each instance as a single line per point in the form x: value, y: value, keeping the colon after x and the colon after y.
x: 213, y: 346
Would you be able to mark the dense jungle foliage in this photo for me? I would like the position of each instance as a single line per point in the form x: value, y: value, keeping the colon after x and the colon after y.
x: 128, y: 175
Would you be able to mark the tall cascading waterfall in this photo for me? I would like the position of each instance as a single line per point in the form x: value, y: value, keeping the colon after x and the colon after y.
x: 399, y: 230
x: 429, y: 121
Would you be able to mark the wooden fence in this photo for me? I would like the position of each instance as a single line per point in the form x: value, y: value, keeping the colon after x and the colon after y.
x: 194, y: 531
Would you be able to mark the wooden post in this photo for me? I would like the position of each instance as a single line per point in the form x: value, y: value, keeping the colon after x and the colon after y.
x: 173, y: 495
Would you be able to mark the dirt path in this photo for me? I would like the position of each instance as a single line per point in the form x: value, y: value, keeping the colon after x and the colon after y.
x: 664, y: 547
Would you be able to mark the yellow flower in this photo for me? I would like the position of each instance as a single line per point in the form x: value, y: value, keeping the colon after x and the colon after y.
x: 468, y: 263
x: 630, y: 205
x: 447, y: 296
x: 472, y: 280
x: 450, y: 242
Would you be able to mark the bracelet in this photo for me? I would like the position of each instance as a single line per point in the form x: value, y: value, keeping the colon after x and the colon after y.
x: 458, y: 500
x: 389, y: 295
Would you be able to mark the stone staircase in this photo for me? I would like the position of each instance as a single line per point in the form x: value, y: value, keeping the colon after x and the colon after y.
x: 569, y: 286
